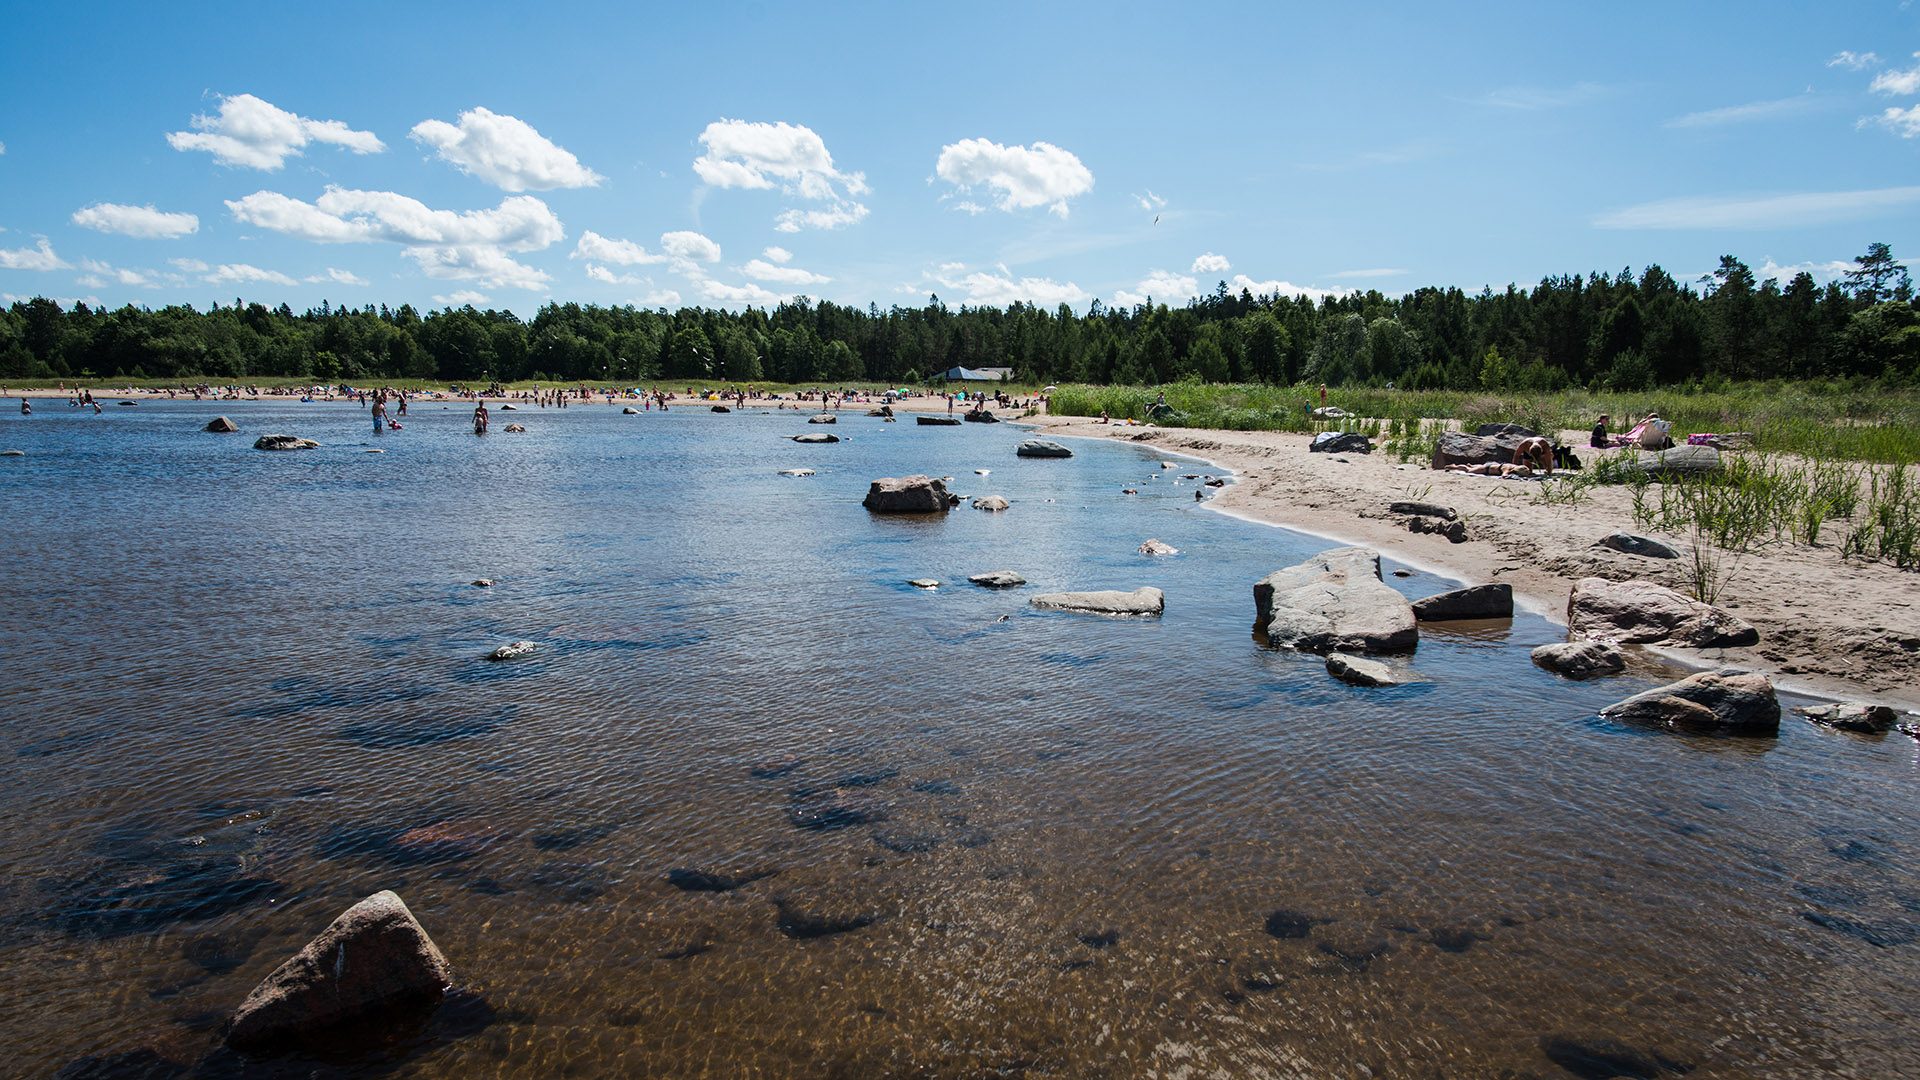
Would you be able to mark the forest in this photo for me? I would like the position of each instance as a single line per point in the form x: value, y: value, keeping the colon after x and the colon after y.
x: 1599, y: 331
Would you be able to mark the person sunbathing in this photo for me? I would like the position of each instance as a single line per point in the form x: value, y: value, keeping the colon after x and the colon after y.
x: 1492, y: 468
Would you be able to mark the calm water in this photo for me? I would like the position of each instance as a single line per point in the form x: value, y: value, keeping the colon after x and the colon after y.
x: 241, y: 690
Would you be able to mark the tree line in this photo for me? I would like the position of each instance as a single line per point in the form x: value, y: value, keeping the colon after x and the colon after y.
x: 1612, y: 331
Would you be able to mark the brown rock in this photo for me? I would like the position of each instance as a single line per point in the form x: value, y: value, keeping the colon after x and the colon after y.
x: 1474, y: 602
x: 1728, y: 700
x: 908, y: 495
x: 1334, y: 601
x: 1640, y: 611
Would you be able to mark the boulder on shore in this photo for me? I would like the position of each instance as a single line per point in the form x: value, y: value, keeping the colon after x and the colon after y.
x: 1728, y: 700
x: 1334, y: 601
x: 283, y: 442
x: 908, y: 495
x: 1360, y: 671
x: 1142, y: 601
x: 372, y: 959
x: 1459, y: 448
x: 1329, y: 412
x: 220, y: 425
x: 1473, y: 602
x: 1453, y: 529
x: 989, y: 502
x: 1643, y: 612
x: 1855, y: 716
x: 1628, y: 544
x: 1042, y: 448
x: 1424, y: 509
x: 997, y: 579
x: 1679, y: 461
x: 1581, y: 659
x: 1340, y: 442
x: 1494, y: 431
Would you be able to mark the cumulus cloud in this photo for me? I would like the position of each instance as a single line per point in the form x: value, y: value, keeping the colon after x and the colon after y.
x: 789, y: 157
x: 1211, y: 264
x: 1159, y: 286
x: 1853, y: 61
x: 1280, y: 288
x: 99, y: 273
x: 337, y: 276
x: 785, y: 275
x: 690, y: 245
x: 242, y: 273
x: 191, y: 266
x: 504, y: 151
x: 981, y: 288
x: 604, y: 249
x: 144, y: 222
x: 1023, y: 176
x: 739, y: 294
x: 1897, y: 83
x: 253, y: 133
x: 1902, y: 122
x: 662, y: 298
x: 777, y: 255
x: 596, y: 272
x: 38, y: 257
x: 462, y: 298
x: 486, y: 264
x: 344, y: 215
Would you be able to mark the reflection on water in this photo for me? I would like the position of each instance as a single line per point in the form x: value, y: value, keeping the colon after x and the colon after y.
x: 758, y: 806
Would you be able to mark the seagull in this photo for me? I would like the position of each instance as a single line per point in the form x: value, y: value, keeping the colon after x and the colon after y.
x: 1156, y: 219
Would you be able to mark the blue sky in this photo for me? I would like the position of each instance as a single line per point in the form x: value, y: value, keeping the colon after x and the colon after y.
x: 722, y: 154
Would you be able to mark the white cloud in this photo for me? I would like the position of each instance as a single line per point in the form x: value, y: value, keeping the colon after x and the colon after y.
x: 1898, y: 83
x: 144, y: 222
x: 837, y: 216
x: 969, y: 207
x: 342, y: 215
x: 38, y: 257
x: 258, y: 135
x: 607, y: 250
x: 690, y: 245
x: 785, y: 275
x: 739, y: 294
x: 1159, y: 286
x: 1024, y: 176
x: 1760, y: 211
x: 99, y: 274
x: 338, y: 276
x: 1853, y: 61
x: 790, y: 157
x: 487, y: 264
x: 462, y: 298
x: 236, y: 273
x: 191, y: 266
x: 504, y: 151
x: 67, y: 302
x: 1902, y: 122
x: 663, y: 298
x: 777, y: 255
x: 1740, y: 114
x: 1821, y: 271
x: 1211, y: 264
x: 599, y: 273
x: 3, y: 149
x: 1242, y: 282
x: 999, y: 290
x: 1150, y: 201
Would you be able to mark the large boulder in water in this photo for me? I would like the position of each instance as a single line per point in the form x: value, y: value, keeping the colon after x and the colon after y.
x: 820, y: 437
x: 1473, y: 602
x: 908, y: 495
x: 1581, y: 659
x: 823, y: 418
x: 372, y: 961
x: 283, y: 442
x: 1643, y: 612
x: 1042, y: 448
x: 1334, y: 601
x: 220, y: 425
x: 1458, y: 448
x: 1142, y: 601
x: 1728, y: 700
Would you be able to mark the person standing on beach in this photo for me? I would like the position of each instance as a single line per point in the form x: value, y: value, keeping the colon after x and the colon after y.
x: 1323, y: 395
x: 480, y: 419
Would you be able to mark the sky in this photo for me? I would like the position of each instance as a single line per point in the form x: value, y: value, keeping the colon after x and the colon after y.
x: 731, y: 154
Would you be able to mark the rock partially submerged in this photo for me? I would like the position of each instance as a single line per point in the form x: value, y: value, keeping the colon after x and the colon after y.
x: 1855, y: 716
x: 373, y: 960
x: 283, y: 442
x: 1643, y: 612
x: 720, y: 408
x: 13, y: 453
x: 924, y: 583
x: 1629, y: 544
x: 629, y: 411
x: 514, y: 651
x: 1156, y: 547
x: 515, y: 429
x: 1581, y: 659
x: 1334, y: 601
x: 796, y: 472
x: 908, y: 495
x: 483, y: 583
x: 1728, y: 700
x: 823, y: 418
x: 1340, y: 442
x: 220, y: 425
x: 1360, y: 671
x: 1474, y: 602
x: 817, y: 437
x: 997, y: 579
x: 990, y: 502
x: 1042, y: 448
x: 937, y: 421
x: 1142, y: 601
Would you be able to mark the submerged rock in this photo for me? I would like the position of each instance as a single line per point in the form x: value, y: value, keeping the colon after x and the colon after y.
x: 802, y: 920
x: 483, y: 583
x: 924, y: 583
x: 1854, y: 716
x: 220, y: 425
x: 515, y: 429
x: 1334, y: 601
x: 1474, y: 602
x: 823, y: 418
x: 1643, y: 612
x: 997, y: 579
x: 796, y: 472
x: 373, y: 959
x: 1728, y: 700
x: 629, y: 411
x: 1581, y: 659
x: 1360, y: 671
x: 1156, y: 547
x: 513, y: 651
x: 937, y: 421
x: 990, y: 503
x: 283, y: 442
x: 908, y: 495
x: 1042, y: 448
x: 818, y: 437
x: 691, y: 880
x: 1142, y: 601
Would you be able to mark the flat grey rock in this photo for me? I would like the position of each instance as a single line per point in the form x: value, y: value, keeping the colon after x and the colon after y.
x: 1629, y: 544
x: 1334, y: 602
x: 1729, y: 701
x: 1855, y: 716
x: 1360, y: 671
x: 1042, y: 448
x: 1581, y: 659
x: 997, y: 579
x: 1142, y: 601
x: 1646, y: 613
x: 1493, y: 601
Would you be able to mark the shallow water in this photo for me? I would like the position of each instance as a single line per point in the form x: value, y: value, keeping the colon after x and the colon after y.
x: 241, y: 690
